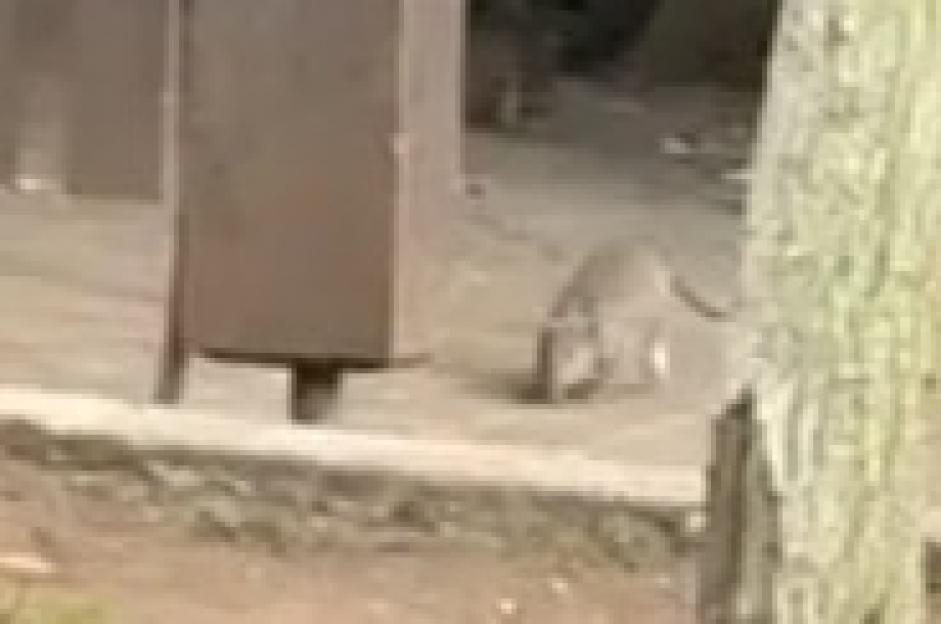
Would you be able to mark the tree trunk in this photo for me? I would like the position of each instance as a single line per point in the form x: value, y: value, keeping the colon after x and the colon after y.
x: 695, y: 40
x: 817, y: 493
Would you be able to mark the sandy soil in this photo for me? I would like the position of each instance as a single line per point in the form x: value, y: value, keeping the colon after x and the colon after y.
x: 110, y: 558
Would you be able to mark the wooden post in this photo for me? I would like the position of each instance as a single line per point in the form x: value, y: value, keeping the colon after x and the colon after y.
x: 9, y: 83
x: 43, y: 40
x: 171, y: 366
x: 113, y: 113
x: 816, y: 512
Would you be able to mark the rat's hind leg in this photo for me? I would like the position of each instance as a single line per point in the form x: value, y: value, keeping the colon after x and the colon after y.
x: 656, y: 356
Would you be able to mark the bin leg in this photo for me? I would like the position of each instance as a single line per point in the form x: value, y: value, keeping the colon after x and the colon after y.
x: 172, y: 371
x: 315, y: 390
x: 172, y: 365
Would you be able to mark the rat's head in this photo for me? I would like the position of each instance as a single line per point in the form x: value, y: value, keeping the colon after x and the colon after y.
x: 567, y: 356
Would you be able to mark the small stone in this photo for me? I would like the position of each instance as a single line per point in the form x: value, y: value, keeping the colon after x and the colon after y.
x: 663, y: 581
x: 26, y: 566
x: 219, y: 517
x: 695, y: 522
x: 560, y: 586
x: 741, y: 175
x: 173, y: 477
x: 676, y: 146
x: 30, y: 184
x: 508, y: 607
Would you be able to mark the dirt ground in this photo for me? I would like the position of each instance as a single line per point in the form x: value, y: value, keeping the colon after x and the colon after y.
x: 112, y: 559
x: 115, y: 563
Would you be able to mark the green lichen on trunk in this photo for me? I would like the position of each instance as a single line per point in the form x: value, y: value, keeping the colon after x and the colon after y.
x: 841, y: 269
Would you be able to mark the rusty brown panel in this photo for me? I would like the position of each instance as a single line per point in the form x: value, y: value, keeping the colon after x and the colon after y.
x: 431, y: 76
x: 114, y: 116
x: 8, y: 91
x: 288, y: 177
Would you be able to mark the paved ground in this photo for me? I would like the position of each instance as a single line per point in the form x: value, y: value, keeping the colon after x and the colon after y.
x: 82, y: 288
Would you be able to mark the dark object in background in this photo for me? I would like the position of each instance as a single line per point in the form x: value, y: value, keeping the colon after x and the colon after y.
x: 510, y: 63
x: 597, y: 32
x: 492, y: 75
x: 517, y: 48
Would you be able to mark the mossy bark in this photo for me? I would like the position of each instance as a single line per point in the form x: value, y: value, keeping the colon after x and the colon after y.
x: 819, y: 485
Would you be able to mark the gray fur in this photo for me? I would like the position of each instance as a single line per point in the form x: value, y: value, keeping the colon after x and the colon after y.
x: 609, y: 318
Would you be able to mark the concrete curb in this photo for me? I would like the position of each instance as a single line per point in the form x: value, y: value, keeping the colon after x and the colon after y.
x: 446, y: 464
x: 443, y: 462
